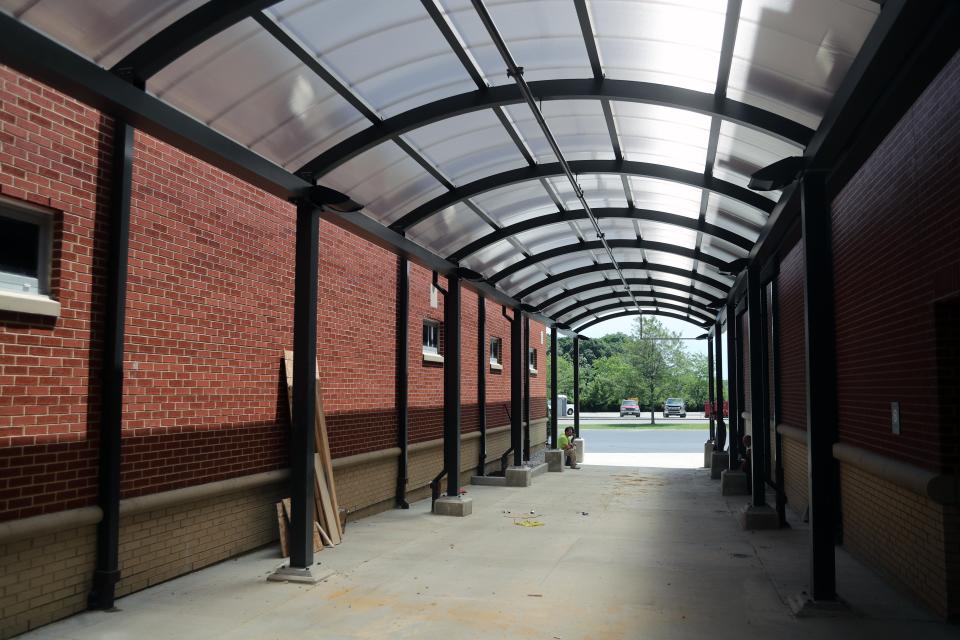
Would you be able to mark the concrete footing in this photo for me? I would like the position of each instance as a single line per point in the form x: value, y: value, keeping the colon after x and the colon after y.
x: 291, y: 574
x: 538, y: 470
x: 708, y: 453
x: 719, y: 462
x: 802, y: 606
x: 519, y: 476
x: 756, y: 518
x: 457, y: 506
x: 554, y: 458
x: 578, y: 443
x: 489, y: 481
x: 733, y: 483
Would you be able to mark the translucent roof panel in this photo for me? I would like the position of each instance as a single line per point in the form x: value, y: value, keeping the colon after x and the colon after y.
x: 517, y: 202
x: 790, y: 55
x: 467, y: 147
x: 578, y: 126
x: 604, y: 190
x: 386, y: 181
x: 722, y: 250
x: 657, y: 232
x: 661, y: 195
x: 734, y: 215
x: 491, y: 259
x: 104, y: 32
x: 741, y: 151
x: 543, y: 36
x: 245, y: 84
x: 389, y: 52
x: 656, y: 257
x: 662, y: 135
x: 674, y: 42
x: 449, y: 229
x: 547, y: 237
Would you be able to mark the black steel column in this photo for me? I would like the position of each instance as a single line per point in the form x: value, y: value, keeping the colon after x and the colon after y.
x: 711, y: 398
x: 576, y: 386
x: 302, y: 438
x: 451, y: 385
x: 554, y: 403
x: 821, y: 383
x: 733, y: 375
x: 516, y: 388
x: 721, y: 433
x: 526, y: 388
x: 403, y: 356
x: 759, y: 448
x: 107, y: 571
x: 482, y: 364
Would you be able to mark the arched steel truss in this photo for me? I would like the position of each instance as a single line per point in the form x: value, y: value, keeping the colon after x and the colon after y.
x: 634, y: 312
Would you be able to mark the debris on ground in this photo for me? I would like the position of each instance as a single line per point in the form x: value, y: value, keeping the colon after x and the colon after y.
x: 528, y: 523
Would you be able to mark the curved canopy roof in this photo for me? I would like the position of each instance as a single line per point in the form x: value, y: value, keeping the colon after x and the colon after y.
x: 606, y: 175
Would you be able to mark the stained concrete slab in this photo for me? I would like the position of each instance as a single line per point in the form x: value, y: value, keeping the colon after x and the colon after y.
x: 637, y: 552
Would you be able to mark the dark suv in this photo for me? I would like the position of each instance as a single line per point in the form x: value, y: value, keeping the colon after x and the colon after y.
x: 674, y: 407
x: 629, y: 408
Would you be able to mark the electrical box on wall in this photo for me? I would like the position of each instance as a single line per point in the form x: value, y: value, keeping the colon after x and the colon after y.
x: 433, y: 297
x: 895, y: 417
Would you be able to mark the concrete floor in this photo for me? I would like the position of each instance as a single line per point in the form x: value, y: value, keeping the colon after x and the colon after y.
x: 657, y: 555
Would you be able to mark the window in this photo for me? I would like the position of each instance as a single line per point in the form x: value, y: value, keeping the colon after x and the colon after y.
x: 431, y: 341
x: 532, y: 359
x: 25, y: 254
x: 496, y: 354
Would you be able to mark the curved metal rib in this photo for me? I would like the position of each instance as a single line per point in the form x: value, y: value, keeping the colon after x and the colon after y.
x: 654, y: 297
x: 624, y: 314
x: 662, y: 305
x: 651, y: 282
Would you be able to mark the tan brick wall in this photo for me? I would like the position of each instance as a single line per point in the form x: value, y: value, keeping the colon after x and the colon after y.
x: 795, y: 478
x: 898, y: 532
x: 162, y: 544
x: 45, y: 578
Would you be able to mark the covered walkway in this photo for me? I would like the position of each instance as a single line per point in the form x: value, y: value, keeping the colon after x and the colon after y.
x: 658, y: 555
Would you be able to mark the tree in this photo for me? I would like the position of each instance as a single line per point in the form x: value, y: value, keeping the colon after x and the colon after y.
x: 611, y: 380
x: 564, y: 374
x: 655, y: 352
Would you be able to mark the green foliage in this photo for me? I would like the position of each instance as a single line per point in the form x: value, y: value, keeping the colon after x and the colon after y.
x: 651, y: 364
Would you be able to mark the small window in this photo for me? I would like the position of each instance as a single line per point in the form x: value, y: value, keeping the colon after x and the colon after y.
x: 24, y: 250
x: 431, y: 337
x: 496, y: 354
x: 532, y: 357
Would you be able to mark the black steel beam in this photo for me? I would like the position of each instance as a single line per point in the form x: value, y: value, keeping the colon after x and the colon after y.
x: 625, y: 213
x: 451, y: 385
x: 733, y: 381
x: 821, y: 371
x: 597, y: 245
x: 651, y: 302
x: 302, y: 438
x: 46, y: 61
x: 554, y: 401
x: 201, y: 24
x: 711, y: 394
x: 402, y: 382
x: 526, y: 387
x: 576, y: 386
x: 633, y: 312
x: 483, y: 362
x: 564, y: 89
x: 660, y: 284
x: 759, y: 429
x: 721, y: 432
x: 516, y: 387
x: 639, y: 266
x: 107, y: 568
x: 642, y: 295
x: 581, y: 167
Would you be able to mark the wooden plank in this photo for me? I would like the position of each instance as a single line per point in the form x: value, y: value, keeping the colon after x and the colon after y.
x: 317, y: 542
x: 323, y: 447
x: 323, y: 535
x: 329, y: 515
x: 284, y: 532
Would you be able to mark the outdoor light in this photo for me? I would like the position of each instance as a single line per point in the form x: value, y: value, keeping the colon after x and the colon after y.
x: 332, y: 200
x: 778, y: 175
x: 469, y: 274
x: 734, y: 267
x: 528, y: 308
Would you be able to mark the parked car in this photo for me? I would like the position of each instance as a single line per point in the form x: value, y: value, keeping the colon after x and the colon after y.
x: 674, y: 407
x: 629, y: 408
x: 564, y: 406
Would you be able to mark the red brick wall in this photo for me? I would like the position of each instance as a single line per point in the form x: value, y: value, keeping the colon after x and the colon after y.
x: 53, y: 152
x: 894, y: 228
x: 790, y: 340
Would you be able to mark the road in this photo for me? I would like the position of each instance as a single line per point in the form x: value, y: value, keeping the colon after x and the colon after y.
x: 614, y: 418
x: 643, y: 441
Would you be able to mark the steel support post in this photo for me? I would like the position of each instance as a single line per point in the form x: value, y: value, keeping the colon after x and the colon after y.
x: 721, y: 433
x: 759, y: 447
x: 302, y: 437
x: 451, y: 385
x: 711, y: 397
x: 733, y: 375
x: 576, y: 386
x: 403, y: 357
x: 482, y: 364
x: 554, y: 402
x: 107, y: 570
x: 516, y: 387
x: 526, y: 387
x: 821, y: 383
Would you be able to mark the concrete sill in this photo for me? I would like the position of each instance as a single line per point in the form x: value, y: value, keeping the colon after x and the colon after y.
x: 496, y: 367
x: 432, y: 357
x: 37, y: 305
x: 533, y: 372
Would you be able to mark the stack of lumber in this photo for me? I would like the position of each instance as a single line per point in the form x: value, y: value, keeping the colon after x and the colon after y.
x: 328, y: 527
